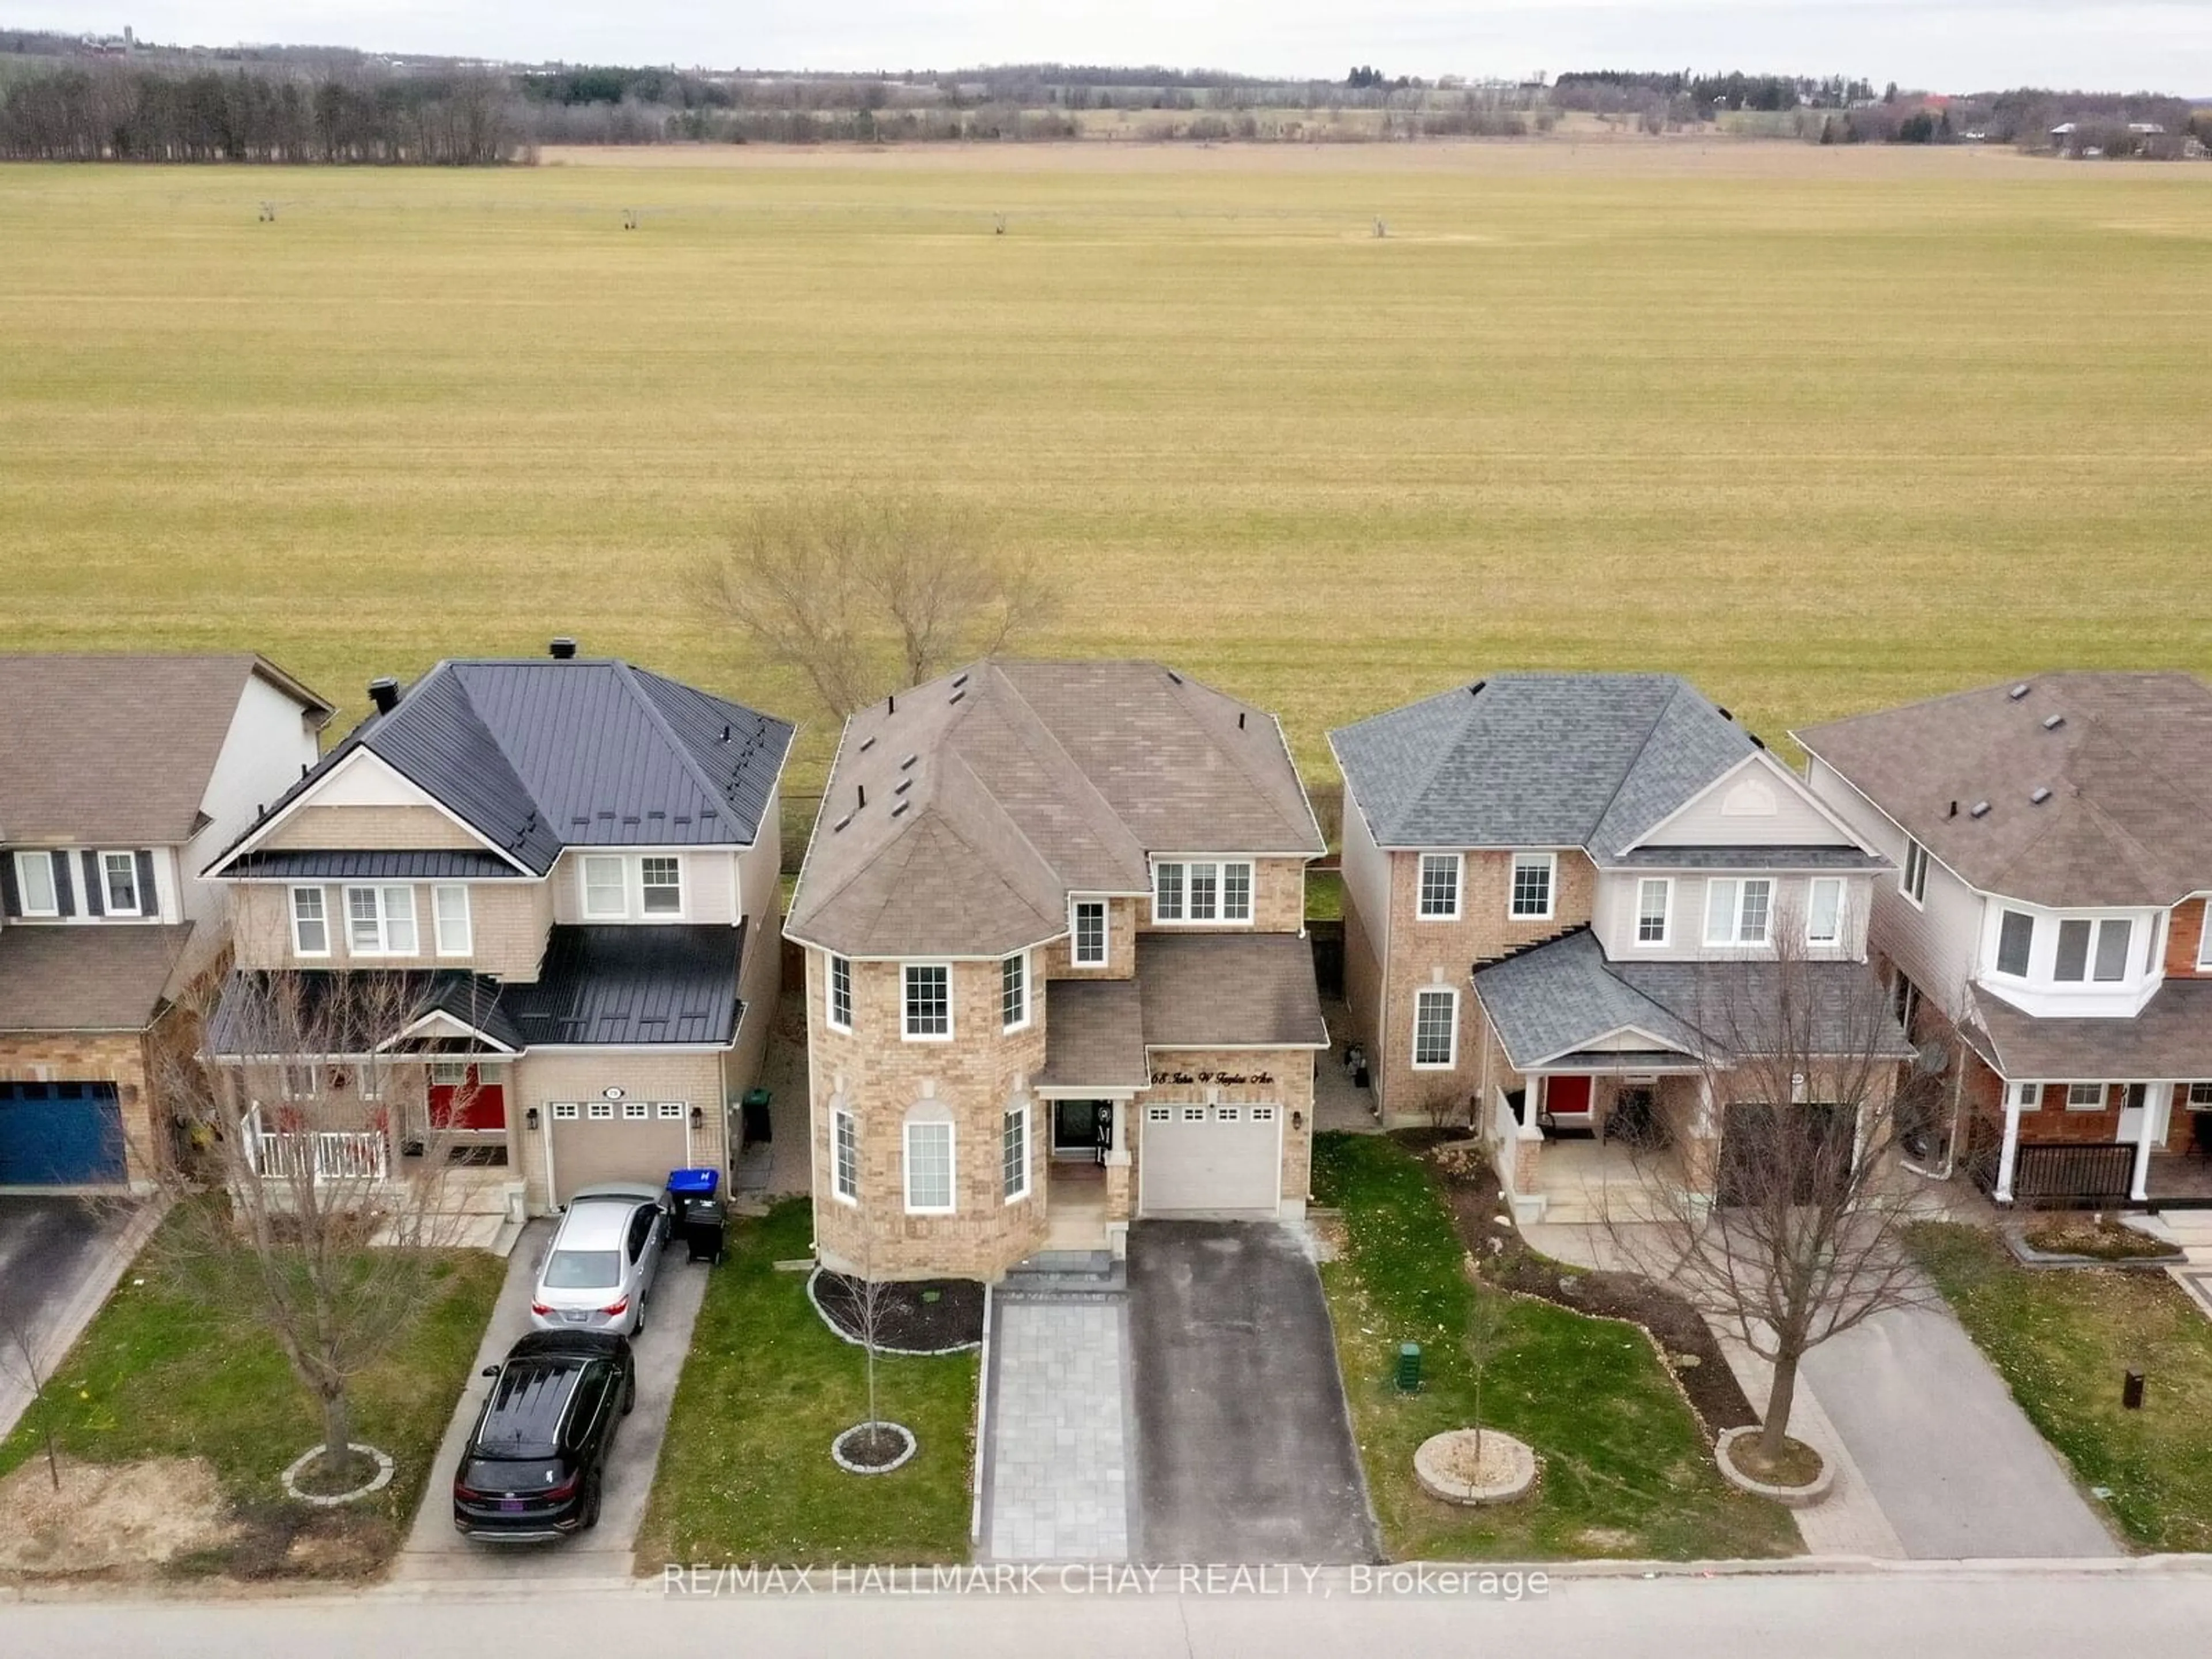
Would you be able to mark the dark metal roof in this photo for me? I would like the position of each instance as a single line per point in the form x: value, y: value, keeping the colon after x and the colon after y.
x: 434, y: 863
x: 539, y: 753
x: 610, y: 987
x: 473, y: 1000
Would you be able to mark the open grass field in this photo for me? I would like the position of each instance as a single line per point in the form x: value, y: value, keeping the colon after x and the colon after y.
x: 1822, y: 428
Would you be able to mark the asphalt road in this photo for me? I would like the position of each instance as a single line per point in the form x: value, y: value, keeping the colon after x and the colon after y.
x: 1245, y: 1451
x: 1963, y: 1613
x: 59, y: 1257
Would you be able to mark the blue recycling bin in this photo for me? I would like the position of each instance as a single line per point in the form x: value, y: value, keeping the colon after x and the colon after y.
x: 699, y: 1214
x: 692, y: 1183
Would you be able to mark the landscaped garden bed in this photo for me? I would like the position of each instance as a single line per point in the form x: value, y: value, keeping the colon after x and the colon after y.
x: 2064, y: 1343
x: 747, y: 1473
x: 1627, y: 1467
x: 926, y: 1316
x: 2072, y: 1238
x: 176, y: 1420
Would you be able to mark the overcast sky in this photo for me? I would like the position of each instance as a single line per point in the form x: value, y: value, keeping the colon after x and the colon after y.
x: 1943, y: 45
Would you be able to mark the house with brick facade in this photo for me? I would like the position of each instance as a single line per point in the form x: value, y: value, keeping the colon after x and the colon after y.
x: 1557, y: 889
x: 1057, y: 977
x: 119, y: 776
x: 2053, y: 840
x: 570, y: 865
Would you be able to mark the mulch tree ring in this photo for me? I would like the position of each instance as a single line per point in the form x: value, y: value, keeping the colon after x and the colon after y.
x: 1693, y: 1354
x: 927, y: 1316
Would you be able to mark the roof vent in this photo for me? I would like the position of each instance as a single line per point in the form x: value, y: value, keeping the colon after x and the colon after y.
x: 959, y: 681
x: 2052, y: 722
x: 563, y: 649
x: 1953, y: 812
x: 1757, y: 742
x: 1240, y: 720
x: 2040, y: 794
x: 1980, y: 808
x: 1177, y: 677
x: 725, y: 733
x: 383, y: 692
x: 866, y: 744
x: 890, y: 705
x: 904, y: 784
x: 908, y: 761
x: 840, y: 823
x: 955, y: 697
x: 861, y: 797
x: 2017, y: 692
x: 901, y: 807
x: 1475, y: 691
x: 1722, y: 713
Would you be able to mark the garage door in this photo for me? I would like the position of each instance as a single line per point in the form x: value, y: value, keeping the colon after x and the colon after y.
x: 597, y: 1141
x: 1210, y: 1162
x: 60, y: 1134
x: 1801, y: 1147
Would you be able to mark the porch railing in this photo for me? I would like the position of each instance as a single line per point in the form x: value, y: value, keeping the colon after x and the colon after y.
x: 325, y: 1155
x: 2079, y: 1175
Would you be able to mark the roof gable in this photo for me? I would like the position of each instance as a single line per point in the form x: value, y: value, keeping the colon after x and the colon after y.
x: 1757, y: 802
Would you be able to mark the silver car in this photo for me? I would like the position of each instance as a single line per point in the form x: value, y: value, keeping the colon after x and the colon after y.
x: 605, y: 1254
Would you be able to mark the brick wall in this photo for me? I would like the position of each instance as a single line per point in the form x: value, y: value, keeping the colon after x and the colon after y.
x: 2183, y: 936
x: 508, y: 926
x: 364, y: 829
x: 2054, y: 1124
x: 1292, y: 1089
x: 1055, y: 961
x: 86, y: 1057
x: 1278, y: 902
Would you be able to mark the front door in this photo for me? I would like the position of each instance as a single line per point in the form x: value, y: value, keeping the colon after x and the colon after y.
x: 466, y: 1099
x: 2133, y: 1103
x: 1082, y: 1128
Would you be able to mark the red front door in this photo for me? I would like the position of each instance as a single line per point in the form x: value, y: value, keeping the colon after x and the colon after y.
x: 465, y: 1100
x: 1569, y: 1095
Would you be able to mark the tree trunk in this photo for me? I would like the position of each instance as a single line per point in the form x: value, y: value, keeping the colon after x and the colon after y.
x: 337, y: 1430
x: 1779, y: 1399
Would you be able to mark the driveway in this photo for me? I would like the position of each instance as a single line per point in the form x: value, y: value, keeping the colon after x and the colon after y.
x: 60, y: 1259
x: 434, y: 1551
x: 1958, y: 1471
x: 1244, y: 1449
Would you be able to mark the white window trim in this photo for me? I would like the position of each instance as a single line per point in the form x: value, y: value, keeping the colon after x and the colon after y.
x: 951, y: 1166
x: 1221, y: 863
x: 53, y: 885
x: 292, y: 913
x: 951, y: 1024
x: 1028, y: 1152
x: 1996, y: 952
x: 683, y: 896
x: 672, y: 1111
x: 1666, y: 885
x: 567, y: 1111
x: 1736, y: 940
x: 1513, y: 913
x: 830, y: 961
x: 467, y: 946
x: 841, y: 1118
x: 2104, y: 1093
x: 584, y: 884
x: 1451, y: 1058
x: 383, y: 918
x: 2189, y: 1101
x: 2025, y: 1097
x: 599, y: 1111
x: 1029, y: 1001
x: 1458, y: 887
x: 2204, y: 939
x: 1075, y: 957
x: 108, y: 887
x: 1812, y: 887
x: 1913, y: 852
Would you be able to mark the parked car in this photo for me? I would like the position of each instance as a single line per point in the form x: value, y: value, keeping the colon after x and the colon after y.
x: 605, y: 1255
x: 536, y: 1461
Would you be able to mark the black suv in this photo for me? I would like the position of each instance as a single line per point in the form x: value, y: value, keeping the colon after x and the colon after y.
x: 538, y: 1457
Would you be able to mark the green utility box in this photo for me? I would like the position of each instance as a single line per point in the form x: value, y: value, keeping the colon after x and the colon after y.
x: 1409, y: 1367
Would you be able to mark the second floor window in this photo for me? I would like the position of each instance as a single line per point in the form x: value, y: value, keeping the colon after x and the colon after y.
x: 1202, y: 891
x: 1912, y: 880
x: 928, y: 999
x: 35, y: 890
x: 449, y: 912
x: 1824, y: 911
x: 1014, y: 992
x: 119, y: 874
x: 2075, y: 963
x: 311, y: 927
x: 380, y: 922
x: 606, y: 889
x: 840, y: 992
x: 1440, y: 886
x: 1652, y: 894
x: 660, y: 886
x: 1736, y: 912
x: 1089, y: 949
x: 1532, y: 885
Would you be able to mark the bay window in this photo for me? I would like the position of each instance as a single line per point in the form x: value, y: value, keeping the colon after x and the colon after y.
x: 1014, y: 992
x: 928, y: 1013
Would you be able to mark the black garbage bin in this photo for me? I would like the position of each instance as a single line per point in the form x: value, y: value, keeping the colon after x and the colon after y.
x: 706, y: 1228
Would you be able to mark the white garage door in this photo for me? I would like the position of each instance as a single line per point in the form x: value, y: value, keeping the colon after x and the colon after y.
x: 1206, y: 1162
x: 596, y: 1140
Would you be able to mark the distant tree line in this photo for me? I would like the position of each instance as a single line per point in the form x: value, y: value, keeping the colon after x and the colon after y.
x: 120, y: 114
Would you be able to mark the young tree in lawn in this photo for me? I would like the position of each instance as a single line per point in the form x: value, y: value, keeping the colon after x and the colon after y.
x: 863, y: 591
x: 19, y: 1360
x: 1792, y: 1233
x: 867, y: 1302
x: 313, y: 1199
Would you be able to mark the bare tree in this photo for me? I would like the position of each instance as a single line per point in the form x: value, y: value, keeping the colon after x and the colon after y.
x: 1782, y: 1221
x: 314, y: 1202
x: 863, y: 591
x: 1488, y: 1332
x: 867, y: 1302
x: 18, y: 1358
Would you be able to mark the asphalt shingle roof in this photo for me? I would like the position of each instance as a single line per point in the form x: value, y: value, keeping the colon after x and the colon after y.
x: 2128, y: 764
x: 1094, y: 1036
x: 1236, y: 990
x: 2172, y: 1037
x: 117, y: 749
x: 962, y: 814
x: 112, y: 976
x: 1538, y: 760
x: 537, y: 754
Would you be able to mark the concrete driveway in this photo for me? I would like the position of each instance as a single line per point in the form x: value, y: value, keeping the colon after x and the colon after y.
x: 1959, y: 1473
x: 59, y: 1260
x: 434, y: 1551
x: 1244, y: 1449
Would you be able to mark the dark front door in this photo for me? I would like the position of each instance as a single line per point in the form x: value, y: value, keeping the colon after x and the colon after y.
x: 1080, y: 1128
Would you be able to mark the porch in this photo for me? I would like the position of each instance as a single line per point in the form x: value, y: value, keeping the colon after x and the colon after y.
x: 450, y: 1195
x: 2098, y: 1146
x: 1583, y: 1147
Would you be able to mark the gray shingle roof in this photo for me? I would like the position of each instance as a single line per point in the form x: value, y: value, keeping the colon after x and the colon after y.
x: 537, y: 754
x: 1094, y: 1036
x: 1551, y: 1003
x: 118, y: 749
x: 1537, y: 760
x: 109, y: 977
x: 962, y: 814
x: 2129, y: 766
x: 1238, y: 990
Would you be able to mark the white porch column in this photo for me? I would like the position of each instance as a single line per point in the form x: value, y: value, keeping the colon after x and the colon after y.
x: 1119, y: 1152
x: 2010, y: 1151
x: 2157, y: 1099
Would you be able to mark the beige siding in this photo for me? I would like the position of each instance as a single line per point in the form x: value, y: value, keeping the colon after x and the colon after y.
x: 541, y: 1079
x: 508, y: 925
x: 1758, y: 805
x: 1613, y: 918
x: 367, y: 829
x: 711, y: 878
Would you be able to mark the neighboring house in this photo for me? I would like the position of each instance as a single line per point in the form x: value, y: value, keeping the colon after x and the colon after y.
x: 1056, y: 969
x: 119, y: 776
x: 1555, y: 885
x: 574, y: 861
x: 2053, y: 840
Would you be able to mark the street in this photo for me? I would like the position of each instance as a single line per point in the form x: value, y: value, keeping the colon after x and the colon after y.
x: 2039, y: 1612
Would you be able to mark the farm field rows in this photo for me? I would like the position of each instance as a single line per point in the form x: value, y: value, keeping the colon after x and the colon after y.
x: 1820, y: 428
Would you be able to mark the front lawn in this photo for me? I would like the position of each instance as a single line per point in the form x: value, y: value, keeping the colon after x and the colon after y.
x: 162, y: 1374
x: 2064, y: 1340
x: 746, y: 1474
x: 1627, y: 1473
